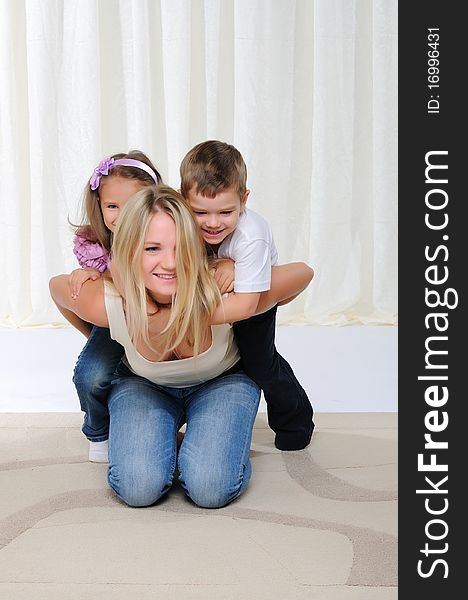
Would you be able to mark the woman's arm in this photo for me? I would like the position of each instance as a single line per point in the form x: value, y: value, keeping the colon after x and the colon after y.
x: 287, y: 282
x: 236, y: 307
x: 88, y: 307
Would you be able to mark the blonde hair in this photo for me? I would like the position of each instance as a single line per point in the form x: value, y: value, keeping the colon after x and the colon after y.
x: 197, y: 294
x: 213, y: 167
x: 92, y: 224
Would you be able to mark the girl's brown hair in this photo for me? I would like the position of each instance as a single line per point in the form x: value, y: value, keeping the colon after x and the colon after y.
x: 92, y: 226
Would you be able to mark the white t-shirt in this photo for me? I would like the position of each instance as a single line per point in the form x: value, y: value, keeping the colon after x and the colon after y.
x: 185, y: 372
x: 253, y: 249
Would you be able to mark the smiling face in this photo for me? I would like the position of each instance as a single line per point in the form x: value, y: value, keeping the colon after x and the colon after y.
x: 114, y: 191
x: 217, y: 217
x: 158, y: 258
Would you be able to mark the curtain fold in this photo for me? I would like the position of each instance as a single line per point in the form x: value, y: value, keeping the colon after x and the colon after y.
x: 305, y: 89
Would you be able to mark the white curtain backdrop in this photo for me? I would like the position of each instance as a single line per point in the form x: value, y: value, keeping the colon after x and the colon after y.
x: 305, y: 89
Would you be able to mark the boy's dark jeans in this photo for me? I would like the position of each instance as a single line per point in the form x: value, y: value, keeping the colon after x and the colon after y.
x: 289, y: 410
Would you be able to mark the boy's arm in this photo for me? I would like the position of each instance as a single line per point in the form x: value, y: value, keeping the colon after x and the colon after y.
x: 252, y: 275
x: 223, y: 272
x: 88, y: 307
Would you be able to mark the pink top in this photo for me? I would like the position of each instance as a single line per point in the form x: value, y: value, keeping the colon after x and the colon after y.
x: 90, y: 255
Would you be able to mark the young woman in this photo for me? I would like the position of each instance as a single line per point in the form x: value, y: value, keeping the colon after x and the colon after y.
x: 181, y: 363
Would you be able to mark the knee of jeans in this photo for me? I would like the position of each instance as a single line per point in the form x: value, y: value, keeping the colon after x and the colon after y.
x: 138, y: 488
x: 211, y: 491
x: 90, y: 379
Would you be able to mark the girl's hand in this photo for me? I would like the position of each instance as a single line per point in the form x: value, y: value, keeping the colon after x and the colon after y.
x: 223, y: 271
x: 78, y: 277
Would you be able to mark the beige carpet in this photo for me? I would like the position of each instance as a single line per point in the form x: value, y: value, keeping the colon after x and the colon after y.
x: 316, y: 524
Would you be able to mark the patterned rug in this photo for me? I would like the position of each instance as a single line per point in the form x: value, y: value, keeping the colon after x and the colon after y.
x: 318, y: 523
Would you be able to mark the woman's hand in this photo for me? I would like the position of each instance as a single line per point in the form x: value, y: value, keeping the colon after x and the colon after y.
x: 78, y: 277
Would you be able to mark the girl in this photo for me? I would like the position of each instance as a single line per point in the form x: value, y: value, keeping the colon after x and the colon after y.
x: 113, y: 182
x: 181, y: 363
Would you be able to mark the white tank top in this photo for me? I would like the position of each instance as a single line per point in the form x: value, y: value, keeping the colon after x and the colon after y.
x: 185, y: 372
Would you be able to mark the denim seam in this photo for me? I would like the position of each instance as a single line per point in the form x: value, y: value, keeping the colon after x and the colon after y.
x: 246, y: 450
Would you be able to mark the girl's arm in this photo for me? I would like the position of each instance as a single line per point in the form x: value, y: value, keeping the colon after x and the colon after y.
x: 78, y: 277
x: 287, y: 282
x: 88, y: 307
x: 91, y: 255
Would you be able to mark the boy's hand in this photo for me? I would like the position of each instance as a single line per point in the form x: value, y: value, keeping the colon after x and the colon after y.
x: 223, y: 271
x: 78, y: 277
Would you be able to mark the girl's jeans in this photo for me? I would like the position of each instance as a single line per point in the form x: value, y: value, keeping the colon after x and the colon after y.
x: 213, y: 459
x: 94, y: 372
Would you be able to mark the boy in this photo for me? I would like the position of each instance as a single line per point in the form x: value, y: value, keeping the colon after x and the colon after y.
x: 213, y: 180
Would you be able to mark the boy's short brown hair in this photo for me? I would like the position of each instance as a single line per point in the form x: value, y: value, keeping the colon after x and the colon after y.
x: 212, y: 167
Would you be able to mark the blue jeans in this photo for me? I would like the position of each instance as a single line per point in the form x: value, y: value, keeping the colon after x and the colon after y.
x: 94, y: 372
x: 213, y: 459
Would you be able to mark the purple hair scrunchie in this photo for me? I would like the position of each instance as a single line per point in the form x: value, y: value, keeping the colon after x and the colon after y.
x: 103, y: 168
